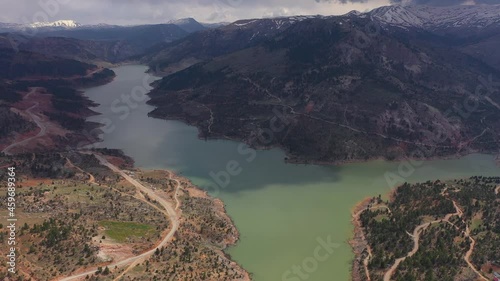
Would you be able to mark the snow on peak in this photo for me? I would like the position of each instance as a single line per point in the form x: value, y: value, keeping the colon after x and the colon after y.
x: 398, y: 15
x: 59, y: 23
x: 272, y: 23
x: 428, y: 16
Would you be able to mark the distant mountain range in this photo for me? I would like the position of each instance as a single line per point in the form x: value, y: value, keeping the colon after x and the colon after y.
x: 187, y: 24
x: 60, y: 24
x: 95, y: 43
x: 435, y: 18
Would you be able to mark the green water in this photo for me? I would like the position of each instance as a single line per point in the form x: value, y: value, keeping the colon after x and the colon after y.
x: 280, y: 209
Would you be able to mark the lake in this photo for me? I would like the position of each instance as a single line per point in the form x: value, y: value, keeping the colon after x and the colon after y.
x: 294, y: 220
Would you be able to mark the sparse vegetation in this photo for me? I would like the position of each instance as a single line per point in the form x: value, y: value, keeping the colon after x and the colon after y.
x: 454, y: 210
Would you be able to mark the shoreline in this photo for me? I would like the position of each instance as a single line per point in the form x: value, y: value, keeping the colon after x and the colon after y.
x: 195, y: 191
x: 297, y: 161
x: 222, y: 208
x: 293, y: 159
x: 358, y: 242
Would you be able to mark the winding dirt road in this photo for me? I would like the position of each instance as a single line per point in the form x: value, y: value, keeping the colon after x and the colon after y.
x: 472, y: 245
x: 170, y: 213
x: 36, y: 119
x: 91, y: 179
x: 416, y: 238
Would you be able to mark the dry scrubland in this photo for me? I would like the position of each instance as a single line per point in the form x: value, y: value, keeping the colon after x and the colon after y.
x: 75, y: 214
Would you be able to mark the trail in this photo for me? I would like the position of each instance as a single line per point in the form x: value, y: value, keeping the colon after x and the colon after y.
x: 368, y: 248
x: 492, y: 102
x: 170, y: 212
x: 36, y: 119
x: 351, y: 128
x: 416, y: 239
x: 249, y: 80
x: 211, y: 121
x: 91, y: 177
x: 176, y: 196
x: 472, y: 244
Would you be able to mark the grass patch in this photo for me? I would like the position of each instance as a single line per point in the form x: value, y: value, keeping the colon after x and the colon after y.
x: 476, y: 223
x: 121, y: 231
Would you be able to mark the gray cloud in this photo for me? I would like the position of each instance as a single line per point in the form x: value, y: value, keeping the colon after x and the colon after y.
x: 159, y: 11
x: 421, y: 2
x: 443, y: 2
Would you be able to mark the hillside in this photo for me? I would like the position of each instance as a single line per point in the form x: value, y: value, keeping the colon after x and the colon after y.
x: 39, y: 104
x: 94, y: 43
x: 430, y: 231
x: 78, y: 216
x: 333, y: 89
x: 171, y: 57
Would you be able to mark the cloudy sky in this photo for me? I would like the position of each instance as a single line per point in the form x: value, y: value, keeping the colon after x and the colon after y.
x: 158, y: 11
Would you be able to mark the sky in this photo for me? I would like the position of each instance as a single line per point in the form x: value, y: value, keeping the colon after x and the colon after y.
x: 125, y: 12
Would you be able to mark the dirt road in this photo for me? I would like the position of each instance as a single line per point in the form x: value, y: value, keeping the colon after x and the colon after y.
x: 416, y: 238
x: 170, y: 211
x: 472, y: 244
x: 36, y: 119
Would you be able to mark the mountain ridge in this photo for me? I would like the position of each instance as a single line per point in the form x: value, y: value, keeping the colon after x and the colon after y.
x: 348, y: 93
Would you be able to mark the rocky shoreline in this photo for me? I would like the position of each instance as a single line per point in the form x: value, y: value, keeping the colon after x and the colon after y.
x: 358, y: 243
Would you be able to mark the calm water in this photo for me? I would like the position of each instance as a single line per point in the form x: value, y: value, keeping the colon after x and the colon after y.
x: 280, y: 209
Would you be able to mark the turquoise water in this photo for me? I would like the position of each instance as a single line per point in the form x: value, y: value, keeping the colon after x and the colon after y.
x: 282, y: 211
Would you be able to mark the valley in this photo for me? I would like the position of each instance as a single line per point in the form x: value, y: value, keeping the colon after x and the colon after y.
x: 282, y: 195
x: 238, y: 151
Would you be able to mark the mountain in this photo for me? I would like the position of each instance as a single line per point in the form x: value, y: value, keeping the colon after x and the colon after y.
x: 33, y: 28
x: 333, y: 89
x: 169, y: 57
x: 127, y: 41
x: 70, y: 48
x: 215, y: 25
x: 9, y: 27
x: 475, y: 30
x: 139, y: 35
x: 435, y: 18
x: 59, y: 23
x: 188, y: 24
x: 94, y: 44
x: 33, y: 84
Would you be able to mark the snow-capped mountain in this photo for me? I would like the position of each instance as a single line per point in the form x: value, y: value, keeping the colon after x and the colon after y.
x: 59, y: 23
x: 471, y: 16
x: 6, y: 27
x: 280, y: 23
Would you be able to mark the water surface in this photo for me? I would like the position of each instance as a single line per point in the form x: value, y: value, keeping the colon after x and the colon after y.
x: 281, y: 210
